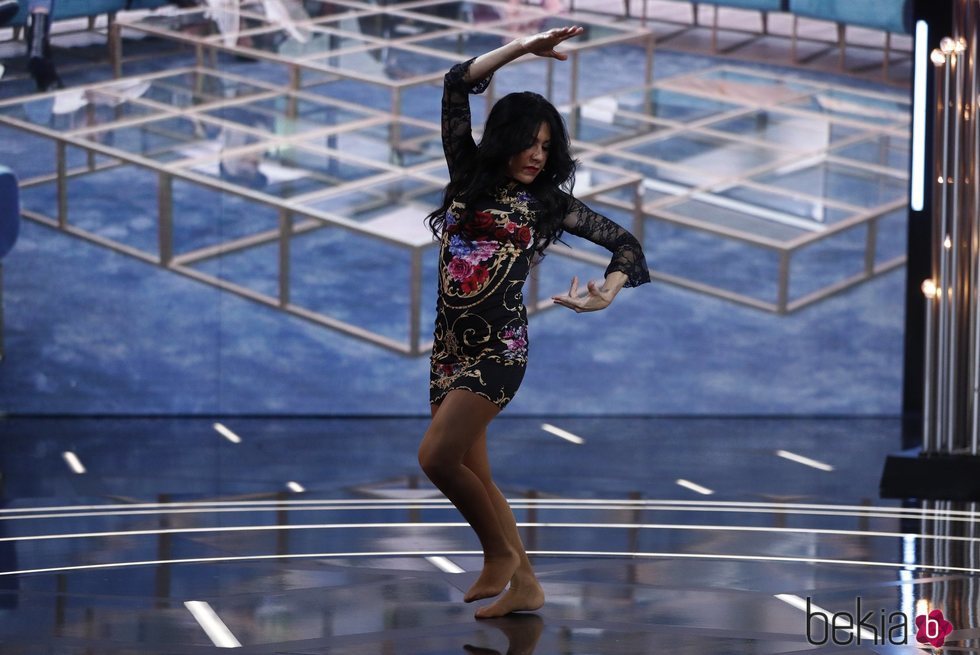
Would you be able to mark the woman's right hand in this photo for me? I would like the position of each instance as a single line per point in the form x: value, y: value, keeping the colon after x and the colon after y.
x: 543, y: 44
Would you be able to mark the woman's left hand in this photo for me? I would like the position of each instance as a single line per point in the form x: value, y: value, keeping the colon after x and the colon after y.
x: 593, y: 301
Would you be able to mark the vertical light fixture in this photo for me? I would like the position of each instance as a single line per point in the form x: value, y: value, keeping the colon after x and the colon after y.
x: 948, y: 466
x: 919, y: 115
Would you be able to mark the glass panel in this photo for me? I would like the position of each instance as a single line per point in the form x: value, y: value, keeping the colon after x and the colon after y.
x: 389, y: 26
x: 708, y: 154
x: 659, y: 181
x: 326, y: 10
x: 711, y: 259
x: 421, y: 101
x: 30, y: 155
x: 809, y: 270
x: 892, y: 237
x: 367, y: 94
x: 254, y: 268
x: 286, y: 114
x: 778, y: 207
x: 82, y: 108
x: 387, y: 65
x: 797, y: 132
x: 595, y: 123
x: 286, y: 172
x: 195, y: 225
x: 296, y: 42
x: 399, y: 205
x: 201, y: 23
x: 97, y: 204
x: 473, y: 12
x: 464, y: 44
x: 844, y: 183
x: 589, y: 177
x: 391, y: 143
x: 197, y: 89
x: 322, y: 261
x: 171, y: 139
x: 744, y: 86
x: 734, y: 216
x: 883, y: 150
x: 671, y: 105
x: 866, y: 109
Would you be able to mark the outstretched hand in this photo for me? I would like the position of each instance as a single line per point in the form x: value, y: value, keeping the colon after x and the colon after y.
x: 593, y: 301
x: 543, y: 44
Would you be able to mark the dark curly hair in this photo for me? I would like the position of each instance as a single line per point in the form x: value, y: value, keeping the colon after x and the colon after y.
x: 511, y: 128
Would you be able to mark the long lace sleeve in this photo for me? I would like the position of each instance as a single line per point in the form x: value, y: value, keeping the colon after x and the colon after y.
x: 457, y: 137
x: 627, y: 257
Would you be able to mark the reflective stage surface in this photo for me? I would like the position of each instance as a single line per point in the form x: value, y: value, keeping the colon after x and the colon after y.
x: 320, y: 536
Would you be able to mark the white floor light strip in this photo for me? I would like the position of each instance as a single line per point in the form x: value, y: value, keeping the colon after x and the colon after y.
x: 687, y: 484
x: 73, y: 462
x: 213, y: 626
x: 908, y: 539
x: 806, y: 461
x: 444, y: 564
x: 474, y: 553
x: 564, y: 434
x: 584, y: 504
x: 226, y: 433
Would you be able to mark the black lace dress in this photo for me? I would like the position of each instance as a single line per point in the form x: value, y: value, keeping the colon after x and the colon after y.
x: 481, y: 342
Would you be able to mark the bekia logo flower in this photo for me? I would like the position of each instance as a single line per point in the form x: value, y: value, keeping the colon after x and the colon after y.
x: 932, y: 629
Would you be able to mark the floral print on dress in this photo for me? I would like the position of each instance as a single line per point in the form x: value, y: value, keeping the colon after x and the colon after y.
x: 481, y: 250
x: 515, y: 338
x: 474, y: 253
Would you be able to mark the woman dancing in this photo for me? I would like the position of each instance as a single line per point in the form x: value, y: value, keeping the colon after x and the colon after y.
x: 506, y: 201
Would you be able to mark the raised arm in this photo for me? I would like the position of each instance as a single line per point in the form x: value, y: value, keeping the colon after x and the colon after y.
x: 457, y: 136
x: 474, y: 75
x: 628, y: 266
x: 541, y: 44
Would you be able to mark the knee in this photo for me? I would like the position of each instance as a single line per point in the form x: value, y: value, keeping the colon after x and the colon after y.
x: 432, y: 465
x: 434, y: 461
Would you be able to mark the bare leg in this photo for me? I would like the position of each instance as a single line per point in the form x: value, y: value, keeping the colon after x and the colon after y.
x: 462, y: 417
x: 525, y: 592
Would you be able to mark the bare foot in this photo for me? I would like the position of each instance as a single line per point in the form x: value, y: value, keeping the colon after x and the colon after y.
x: 497, y: 571
x: 525, y: 596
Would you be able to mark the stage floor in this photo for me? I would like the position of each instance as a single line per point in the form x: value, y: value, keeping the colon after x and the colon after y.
x: 321, y: 536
